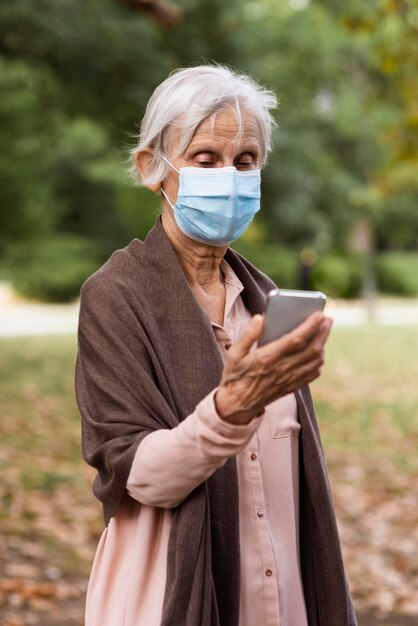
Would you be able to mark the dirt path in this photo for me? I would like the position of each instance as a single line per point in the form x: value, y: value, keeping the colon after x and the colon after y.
x: 21, y: 318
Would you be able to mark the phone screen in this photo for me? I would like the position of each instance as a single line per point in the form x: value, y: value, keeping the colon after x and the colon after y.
x: 286, y: 309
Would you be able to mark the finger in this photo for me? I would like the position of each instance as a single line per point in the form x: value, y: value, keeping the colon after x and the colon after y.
x: 315, y: 347
x: 298, y: 338
x: 306, y: 372
x: 320, y: 339
x: 326, y: 327
x: 252, y: 333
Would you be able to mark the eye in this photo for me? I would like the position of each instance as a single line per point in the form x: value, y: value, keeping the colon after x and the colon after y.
x: 205, y: 159
x: 245, y: 160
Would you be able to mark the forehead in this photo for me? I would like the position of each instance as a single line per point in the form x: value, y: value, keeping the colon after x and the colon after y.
x: 223, y: 129
x: 225, y: 125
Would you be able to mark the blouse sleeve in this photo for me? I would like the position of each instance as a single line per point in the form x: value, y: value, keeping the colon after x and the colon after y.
x: 169, y: 464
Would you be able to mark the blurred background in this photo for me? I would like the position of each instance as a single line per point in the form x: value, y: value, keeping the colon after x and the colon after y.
x: 339, y: 214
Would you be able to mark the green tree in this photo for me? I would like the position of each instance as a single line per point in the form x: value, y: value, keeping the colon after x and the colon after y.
x: 75, y: 77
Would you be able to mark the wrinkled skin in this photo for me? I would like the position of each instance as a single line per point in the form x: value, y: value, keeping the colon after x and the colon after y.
x: 253, y: 378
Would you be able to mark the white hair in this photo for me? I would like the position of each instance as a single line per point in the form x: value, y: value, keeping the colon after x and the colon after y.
x: 190, y: 96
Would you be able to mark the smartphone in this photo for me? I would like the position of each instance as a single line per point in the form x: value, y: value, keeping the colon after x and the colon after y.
x: 286, y: 309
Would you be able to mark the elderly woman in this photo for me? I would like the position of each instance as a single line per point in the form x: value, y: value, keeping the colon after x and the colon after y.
x: 215, y: 494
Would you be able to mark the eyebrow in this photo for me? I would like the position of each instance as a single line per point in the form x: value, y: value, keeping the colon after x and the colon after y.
x: 209, y: 146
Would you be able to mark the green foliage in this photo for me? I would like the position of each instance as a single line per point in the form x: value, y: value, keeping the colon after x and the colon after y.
x: 306, y: 184
x: 396, y: 222
x: 280, y: 264
x: 75, y: 77
x: 103, y: 57
x: 138, y: 208
x: 337, y: 276
x: 53, y: 269
x: 26, y: 196
x: 397, y: 273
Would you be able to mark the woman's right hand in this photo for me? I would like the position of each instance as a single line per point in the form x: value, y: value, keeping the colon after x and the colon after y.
x: 253, y: 378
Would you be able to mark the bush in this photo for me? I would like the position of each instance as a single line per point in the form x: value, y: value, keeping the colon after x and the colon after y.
x: 331, y: 275
x: 52, y: 270
x: 397, y: 273
x: 280, y: 264
x: 337, y: 276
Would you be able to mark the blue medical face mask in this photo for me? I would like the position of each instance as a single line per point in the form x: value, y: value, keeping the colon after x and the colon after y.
x: 215, y: 206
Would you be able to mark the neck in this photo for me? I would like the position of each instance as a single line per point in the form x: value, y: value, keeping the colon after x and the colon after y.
x: 200, y: 262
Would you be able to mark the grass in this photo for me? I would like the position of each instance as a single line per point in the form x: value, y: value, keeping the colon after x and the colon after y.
x: 367, y: 397
x: 46, y: 487
x: 367, y: 405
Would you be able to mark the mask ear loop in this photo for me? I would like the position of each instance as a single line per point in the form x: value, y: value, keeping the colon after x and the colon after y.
x: 176, y: 170
x: 168, y: 163
x: 166, y: 197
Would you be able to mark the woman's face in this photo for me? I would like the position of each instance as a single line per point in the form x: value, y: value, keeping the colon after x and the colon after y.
x: 217, y: 145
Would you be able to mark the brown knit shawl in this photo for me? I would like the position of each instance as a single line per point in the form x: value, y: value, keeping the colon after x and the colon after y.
x: 146, y: 356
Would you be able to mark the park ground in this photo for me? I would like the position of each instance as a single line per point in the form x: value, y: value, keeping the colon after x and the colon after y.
x: 367, y: 405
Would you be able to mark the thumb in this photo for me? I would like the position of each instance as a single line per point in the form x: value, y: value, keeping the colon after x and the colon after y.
x: 251, y: 334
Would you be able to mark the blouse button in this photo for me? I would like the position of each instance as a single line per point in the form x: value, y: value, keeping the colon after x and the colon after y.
x: 260, y: 513
x: 253, y: 456
x: 268, y: 572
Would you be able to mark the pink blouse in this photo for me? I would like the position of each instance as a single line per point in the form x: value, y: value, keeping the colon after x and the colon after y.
x: 127, y: 582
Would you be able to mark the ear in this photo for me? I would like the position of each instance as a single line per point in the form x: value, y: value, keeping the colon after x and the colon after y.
x: 143, y: 162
